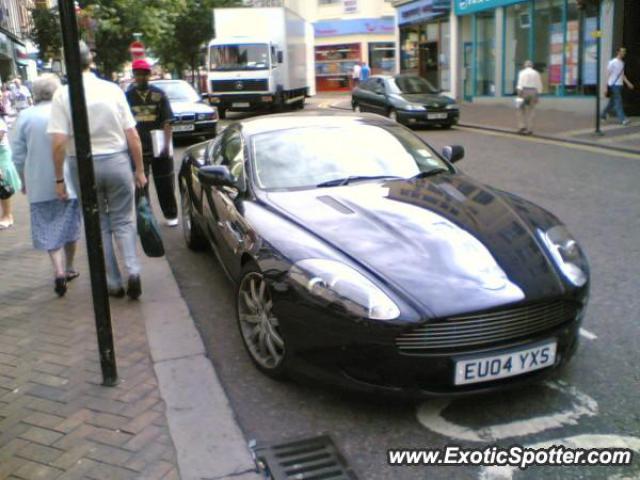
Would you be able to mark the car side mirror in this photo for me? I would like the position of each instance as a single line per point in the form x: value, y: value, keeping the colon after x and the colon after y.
x: 453, y: 153
x: 280, y: 56
x: 216, y: 176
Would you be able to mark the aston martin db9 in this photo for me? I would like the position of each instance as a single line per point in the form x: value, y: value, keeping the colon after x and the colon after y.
x: 364, y: 258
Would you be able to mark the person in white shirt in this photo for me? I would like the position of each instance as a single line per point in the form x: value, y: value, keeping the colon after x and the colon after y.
x: 615, y: 83
x: 355, y: 75
x: 21, y: 96
x: 113, y: 134
x: 528, y: 88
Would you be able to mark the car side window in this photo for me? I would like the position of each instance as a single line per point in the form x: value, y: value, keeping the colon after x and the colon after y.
x: 214, y: 156
x: 378, y: 85
x: 230, y: 152
x: 367, y: 84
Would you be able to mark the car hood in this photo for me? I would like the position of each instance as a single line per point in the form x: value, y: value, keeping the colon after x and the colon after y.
x: 190, y: 107
x: 448, y: 244
x: 427, y: 99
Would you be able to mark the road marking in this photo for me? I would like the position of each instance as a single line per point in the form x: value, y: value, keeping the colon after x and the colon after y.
x: 587, y: 334
x: 578, y: 441
x: 430, y: 416
x: 557, y: 143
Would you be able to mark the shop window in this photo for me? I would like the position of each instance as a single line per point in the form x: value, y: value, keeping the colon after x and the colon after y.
x: 409, y: 50
x: 445, y: 56
x: 382, y: 57
x: 517, y: 47
x: 581, y: 50
x: 486, y: 53
x: 334, y: 66
x: 548, y: 43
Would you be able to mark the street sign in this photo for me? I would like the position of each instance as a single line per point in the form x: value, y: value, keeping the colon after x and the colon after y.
x: 136, y: 49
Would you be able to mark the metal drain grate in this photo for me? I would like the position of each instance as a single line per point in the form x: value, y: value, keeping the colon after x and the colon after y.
x: 315, y: 458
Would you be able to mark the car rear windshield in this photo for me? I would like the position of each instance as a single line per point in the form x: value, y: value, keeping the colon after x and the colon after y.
x: 307, y: 156
x: 411, y: 84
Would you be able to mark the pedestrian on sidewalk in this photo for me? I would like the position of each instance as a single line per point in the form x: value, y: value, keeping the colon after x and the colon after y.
x: 152, y: 111
x: 355, y: 75
x: 529, y: 87
x: 365, y: 72
x: 21, y: 96
x: 113, y: 138
x: 9, y: 173
x: 55, y: 223
x: 615, y: 83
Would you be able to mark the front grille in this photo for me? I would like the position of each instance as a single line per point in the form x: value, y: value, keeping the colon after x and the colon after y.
x: 488, y: 328
x: 184, y: 117
x: 240, y: 85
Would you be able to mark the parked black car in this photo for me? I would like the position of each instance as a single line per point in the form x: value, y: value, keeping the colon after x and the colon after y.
x: 407, y: 99
x: 364, y: 258
x: 192, y: 116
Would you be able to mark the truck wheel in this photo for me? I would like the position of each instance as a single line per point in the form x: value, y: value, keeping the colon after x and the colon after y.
x: 222, y: 113
x: 299, y: 105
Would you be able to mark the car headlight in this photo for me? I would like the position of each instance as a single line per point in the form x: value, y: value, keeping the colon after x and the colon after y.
x: 335, y: 283
x: 452, y: 106
x: 205, y: 116
x: 567, y: 254
x: 414, y: 108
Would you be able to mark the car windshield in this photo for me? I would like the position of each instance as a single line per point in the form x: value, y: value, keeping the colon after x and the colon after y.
x: 308, y: 156
x: 178, y: 91
x: 411, y: 84
x: 240, y: 57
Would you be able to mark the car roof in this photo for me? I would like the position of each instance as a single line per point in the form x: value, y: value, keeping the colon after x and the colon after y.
x: 329, y: 118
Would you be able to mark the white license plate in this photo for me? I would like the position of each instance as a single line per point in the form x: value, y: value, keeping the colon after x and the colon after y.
x: 484, y: 369
x: 436, y: 116
x: 183, y: 128
x: 240, y: 104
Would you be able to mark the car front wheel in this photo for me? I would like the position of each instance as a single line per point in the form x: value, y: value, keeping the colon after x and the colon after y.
x: 259, y: 327
x: 393, y: 115
x: 193, y: 236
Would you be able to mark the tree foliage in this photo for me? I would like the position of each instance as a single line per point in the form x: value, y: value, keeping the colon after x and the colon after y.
x: 192, y: 27
x: 46, y: 32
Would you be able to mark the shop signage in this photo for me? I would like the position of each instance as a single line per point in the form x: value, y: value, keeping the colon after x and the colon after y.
x: 334, y: 28
x: 464, y: 7
x: 350, y: 6
x: 422, y: 10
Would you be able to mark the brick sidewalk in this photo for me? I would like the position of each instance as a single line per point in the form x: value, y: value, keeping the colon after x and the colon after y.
x: 56, y: 420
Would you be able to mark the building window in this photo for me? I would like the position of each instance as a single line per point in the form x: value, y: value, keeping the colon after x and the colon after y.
x: 548, y: 43
x: 382, y: 57
x: 444, y: 56
x: 334, y: 66
x: 517, y: 47
x: 409, y: 50
x: 485, y: 53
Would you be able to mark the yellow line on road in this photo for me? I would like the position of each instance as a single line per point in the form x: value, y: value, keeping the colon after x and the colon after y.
x: 557, y: 143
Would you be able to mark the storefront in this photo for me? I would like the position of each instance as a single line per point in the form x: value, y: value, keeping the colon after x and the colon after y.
x: 497, y: 36
x: 7, y: 65
x: 425, y: 40
x: 340, y: 44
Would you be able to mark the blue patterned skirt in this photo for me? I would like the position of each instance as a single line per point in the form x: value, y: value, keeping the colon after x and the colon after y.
x: 55, y: 223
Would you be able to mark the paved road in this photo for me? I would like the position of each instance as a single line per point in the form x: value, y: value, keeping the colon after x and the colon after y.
x: 591, y: 403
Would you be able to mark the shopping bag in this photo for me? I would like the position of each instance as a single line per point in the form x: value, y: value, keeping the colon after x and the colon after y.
x: 148, y: 229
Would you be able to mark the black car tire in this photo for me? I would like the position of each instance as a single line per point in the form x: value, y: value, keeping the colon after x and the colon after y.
x: 356, y: 108
x: 193, y: 235
x: 299, y: 105
x: 255, y: 301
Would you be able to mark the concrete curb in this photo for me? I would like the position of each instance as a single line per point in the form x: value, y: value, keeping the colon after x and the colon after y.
x: 202, y: 424
x: 337, y: 106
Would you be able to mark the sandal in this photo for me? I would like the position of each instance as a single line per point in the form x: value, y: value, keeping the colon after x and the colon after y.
x: 71, y: 274
x: 60, y: 286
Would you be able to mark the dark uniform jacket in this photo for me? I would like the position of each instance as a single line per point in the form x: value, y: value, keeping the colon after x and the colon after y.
x: 151, y: 109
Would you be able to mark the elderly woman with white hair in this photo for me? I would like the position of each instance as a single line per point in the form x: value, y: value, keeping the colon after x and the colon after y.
x: 55, y: 223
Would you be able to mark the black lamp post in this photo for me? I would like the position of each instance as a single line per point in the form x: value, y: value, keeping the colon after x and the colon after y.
x: 582, y: 4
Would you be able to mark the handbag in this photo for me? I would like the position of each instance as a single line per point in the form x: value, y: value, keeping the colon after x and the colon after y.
x: 148, y: 229
x: 6, y: 189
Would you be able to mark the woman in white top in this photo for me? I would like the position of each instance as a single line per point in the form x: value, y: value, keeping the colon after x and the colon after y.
x: 9, y: 174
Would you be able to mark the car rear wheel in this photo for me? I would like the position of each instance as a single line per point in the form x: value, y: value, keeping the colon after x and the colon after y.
x: 193, y: 236
x: 393, y: 115
x: 259, y: 327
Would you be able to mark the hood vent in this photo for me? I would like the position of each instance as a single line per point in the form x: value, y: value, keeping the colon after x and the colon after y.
x: 335, y: 204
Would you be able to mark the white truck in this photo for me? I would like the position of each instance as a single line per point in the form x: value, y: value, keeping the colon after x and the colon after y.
x: 260, y: 58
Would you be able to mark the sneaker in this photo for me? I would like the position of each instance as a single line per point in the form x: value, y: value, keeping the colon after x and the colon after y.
x: 134, y: 288
x: 172, y: 222
x: 625, y: 122
x: 117, y: 292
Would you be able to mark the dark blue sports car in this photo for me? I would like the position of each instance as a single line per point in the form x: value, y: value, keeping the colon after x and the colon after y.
x: 364, y: 258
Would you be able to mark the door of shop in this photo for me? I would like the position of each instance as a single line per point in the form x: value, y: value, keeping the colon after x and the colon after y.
x: 429, y: 62
x: 468, y: 71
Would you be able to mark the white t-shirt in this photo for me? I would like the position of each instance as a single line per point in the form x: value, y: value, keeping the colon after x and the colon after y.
x: 21, y: 97
x: 529, y: 78
x: 615, y: 69
x: 108, y: 111
x: 356, y: 71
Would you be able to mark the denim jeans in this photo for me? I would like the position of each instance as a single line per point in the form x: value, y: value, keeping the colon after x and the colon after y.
x: 615, y: 103
x: 115, y: 189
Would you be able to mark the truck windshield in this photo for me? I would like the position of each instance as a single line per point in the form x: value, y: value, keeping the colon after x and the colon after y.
x: 240, y: 57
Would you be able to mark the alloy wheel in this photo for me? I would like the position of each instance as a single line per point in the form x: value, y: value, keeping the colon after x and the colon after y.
x: 393, y: 115
x: 259, y: 326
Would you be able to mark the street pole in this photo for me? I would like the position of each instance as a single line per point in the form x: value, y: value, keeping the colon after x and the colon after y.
x: 598, y: 80
x: 80, y: 121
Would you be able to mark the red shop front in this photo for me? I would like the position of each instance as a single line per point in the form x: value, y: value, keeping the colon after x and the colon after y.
x: 334, y: 66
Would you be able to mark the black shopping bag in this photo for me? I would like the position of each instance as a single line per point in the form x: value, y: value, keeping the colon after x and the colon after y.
x: 148, y: 229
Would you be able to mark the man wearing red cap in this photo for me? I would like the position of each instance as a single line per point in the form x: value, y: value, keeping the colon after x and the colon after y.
x: 152, y: 111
